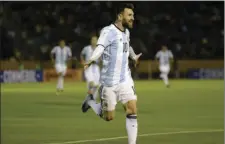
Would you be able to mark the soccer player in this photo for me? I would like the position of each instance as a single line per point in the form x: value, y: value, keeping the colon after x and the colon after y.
x: 164, y: 56
x: 62, y: 55
x: 92, y: 73
x: 113, y: 46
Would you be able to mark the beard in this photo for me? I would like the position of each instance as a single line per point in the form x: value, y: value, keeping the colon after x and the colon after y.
x: 126, y: 24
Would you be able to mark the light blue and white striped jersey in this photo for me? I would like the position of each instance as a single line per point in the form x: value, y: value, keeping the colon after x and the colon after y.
x: 115, y: 55
x: 61, y: 54
x: 164, y: 57
x: 87, y: 53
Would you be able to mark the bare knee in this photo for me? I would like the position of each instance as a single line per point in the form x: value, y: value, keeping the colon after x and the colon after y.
x: 131, y: 107
x: 109, y: 116
x: 91, y: 84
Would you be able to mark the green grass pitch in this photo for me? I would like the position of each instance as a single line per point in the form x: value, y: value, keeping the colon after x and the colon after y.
x: 190, y: 112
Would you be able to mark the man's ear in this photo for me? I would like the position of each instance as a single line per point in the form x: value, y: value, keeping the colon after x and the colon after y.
x: 120, y: 16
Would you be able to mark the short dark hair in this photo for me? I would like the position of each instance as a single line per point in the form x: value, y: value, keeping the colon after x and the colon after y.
x: 61, y: 39
x: 93, y: 34
x: 120, y: 8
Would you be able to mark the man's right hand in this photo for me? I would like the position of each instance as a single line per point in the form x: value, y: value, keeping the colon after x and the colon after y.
x: 86, y: 65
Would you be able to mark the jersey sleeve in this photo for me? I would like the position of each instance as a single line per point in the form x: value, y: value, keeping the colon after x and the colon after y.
x: 105, y: 38
x: 97, y: 53
x: 69, y: 52
x: 157, y: 55
x: 132, y: 55
x: 83, y: 52
x: 170, y: 54
x: 53, y: 50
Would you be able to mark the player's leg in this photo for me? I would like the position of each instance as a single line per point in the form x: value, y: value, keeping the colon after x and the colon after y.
x: 167, y: 70
x: 90, y: 100
x: 93, y: 88
x: 96, y: 91
x: 129, y: 100
x: 106, y: 108
x: 131, y: 121
x: 108, y: 102
x: 90, y: 78
x: 64, y: 69
x: 163, y: 75
x: 96, y: 82
x: 59, y: 72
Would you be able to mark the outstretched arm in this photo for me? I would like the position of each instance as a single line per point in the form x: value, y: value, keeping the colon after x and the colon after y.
x: 52, y: 54
x: 96, y: 55
x: 133, y: 56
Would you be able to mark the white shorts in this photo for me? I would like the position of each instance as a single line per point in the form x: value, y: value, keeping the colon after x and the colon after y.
x: 164, y: 68
x: 92, y: 74
x: 130, y: 81
x: 61, y: 69
x: 123, y: 93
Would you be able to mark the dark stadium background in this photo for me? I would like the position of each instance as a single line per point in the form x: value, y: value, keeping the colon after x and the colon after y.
x: 190, y: 112
x: 192, y: 30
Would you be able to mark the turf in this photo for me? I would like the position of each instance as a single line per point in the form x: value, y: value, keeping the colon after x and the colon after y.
x: 32, y: 114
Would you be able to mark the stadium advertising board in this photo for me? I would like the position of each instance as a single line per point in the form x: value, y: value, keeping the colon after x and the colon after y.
x: 206, y: 73
x: 17, y: 76
x: 71, y: 74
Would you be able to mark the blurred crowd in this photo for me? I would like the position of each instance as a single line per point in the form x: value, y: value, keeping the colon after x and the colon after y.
x: 192, y: 30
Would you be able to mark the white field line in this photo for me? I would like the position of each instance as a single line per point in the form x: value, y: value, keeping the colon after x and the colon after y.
x: 141, y: 135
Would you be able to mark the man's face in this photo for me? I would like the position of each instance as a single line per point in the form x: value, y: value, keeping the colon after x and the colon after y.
x: 62, y: 43
x: 94, y: 40
x: 127, y: 18
x: 164, y: 48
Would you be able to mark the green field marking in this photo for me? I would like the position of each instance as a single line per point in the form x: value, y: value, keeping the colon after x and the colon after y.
x: 141, y: 135
x: 31, y: 113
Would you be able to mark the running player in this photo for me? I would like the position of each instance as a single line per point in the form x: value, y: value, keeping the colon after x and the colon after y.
x: 62, y: 54
x: 164, y: 56
x: 113, y: 46
x: 92, y: 73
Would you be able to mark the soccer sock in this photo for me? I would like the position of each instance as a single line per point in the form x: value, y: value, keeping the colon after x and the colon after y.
x: 95, y: 106
x: 61, y: 82
x: 132, y: 127
x: 161, y: 76
x: 58, y: 86
x: 95, y: 92
x: 166, y: 79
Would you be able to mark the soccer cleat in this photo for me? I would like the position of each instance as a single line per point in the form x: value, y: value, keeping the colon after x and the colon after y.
x: 57, y: 93
x: 168, y: 86
x: 85, y: 106
x: 101, y: 115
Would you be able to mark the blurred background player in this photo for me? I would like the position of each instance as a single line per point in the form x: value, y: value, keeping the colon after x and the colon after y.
x: 92, y: 73
x: 62, y: 55
x: 164, y: 56
x: 113, y: 45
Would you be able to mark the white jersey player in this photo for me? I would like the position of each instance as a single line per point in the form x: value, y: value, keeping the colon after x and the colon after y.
x: 92, y: 73
x: 113, y: 46
x: 62, y: 54
x: 164, y: 56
